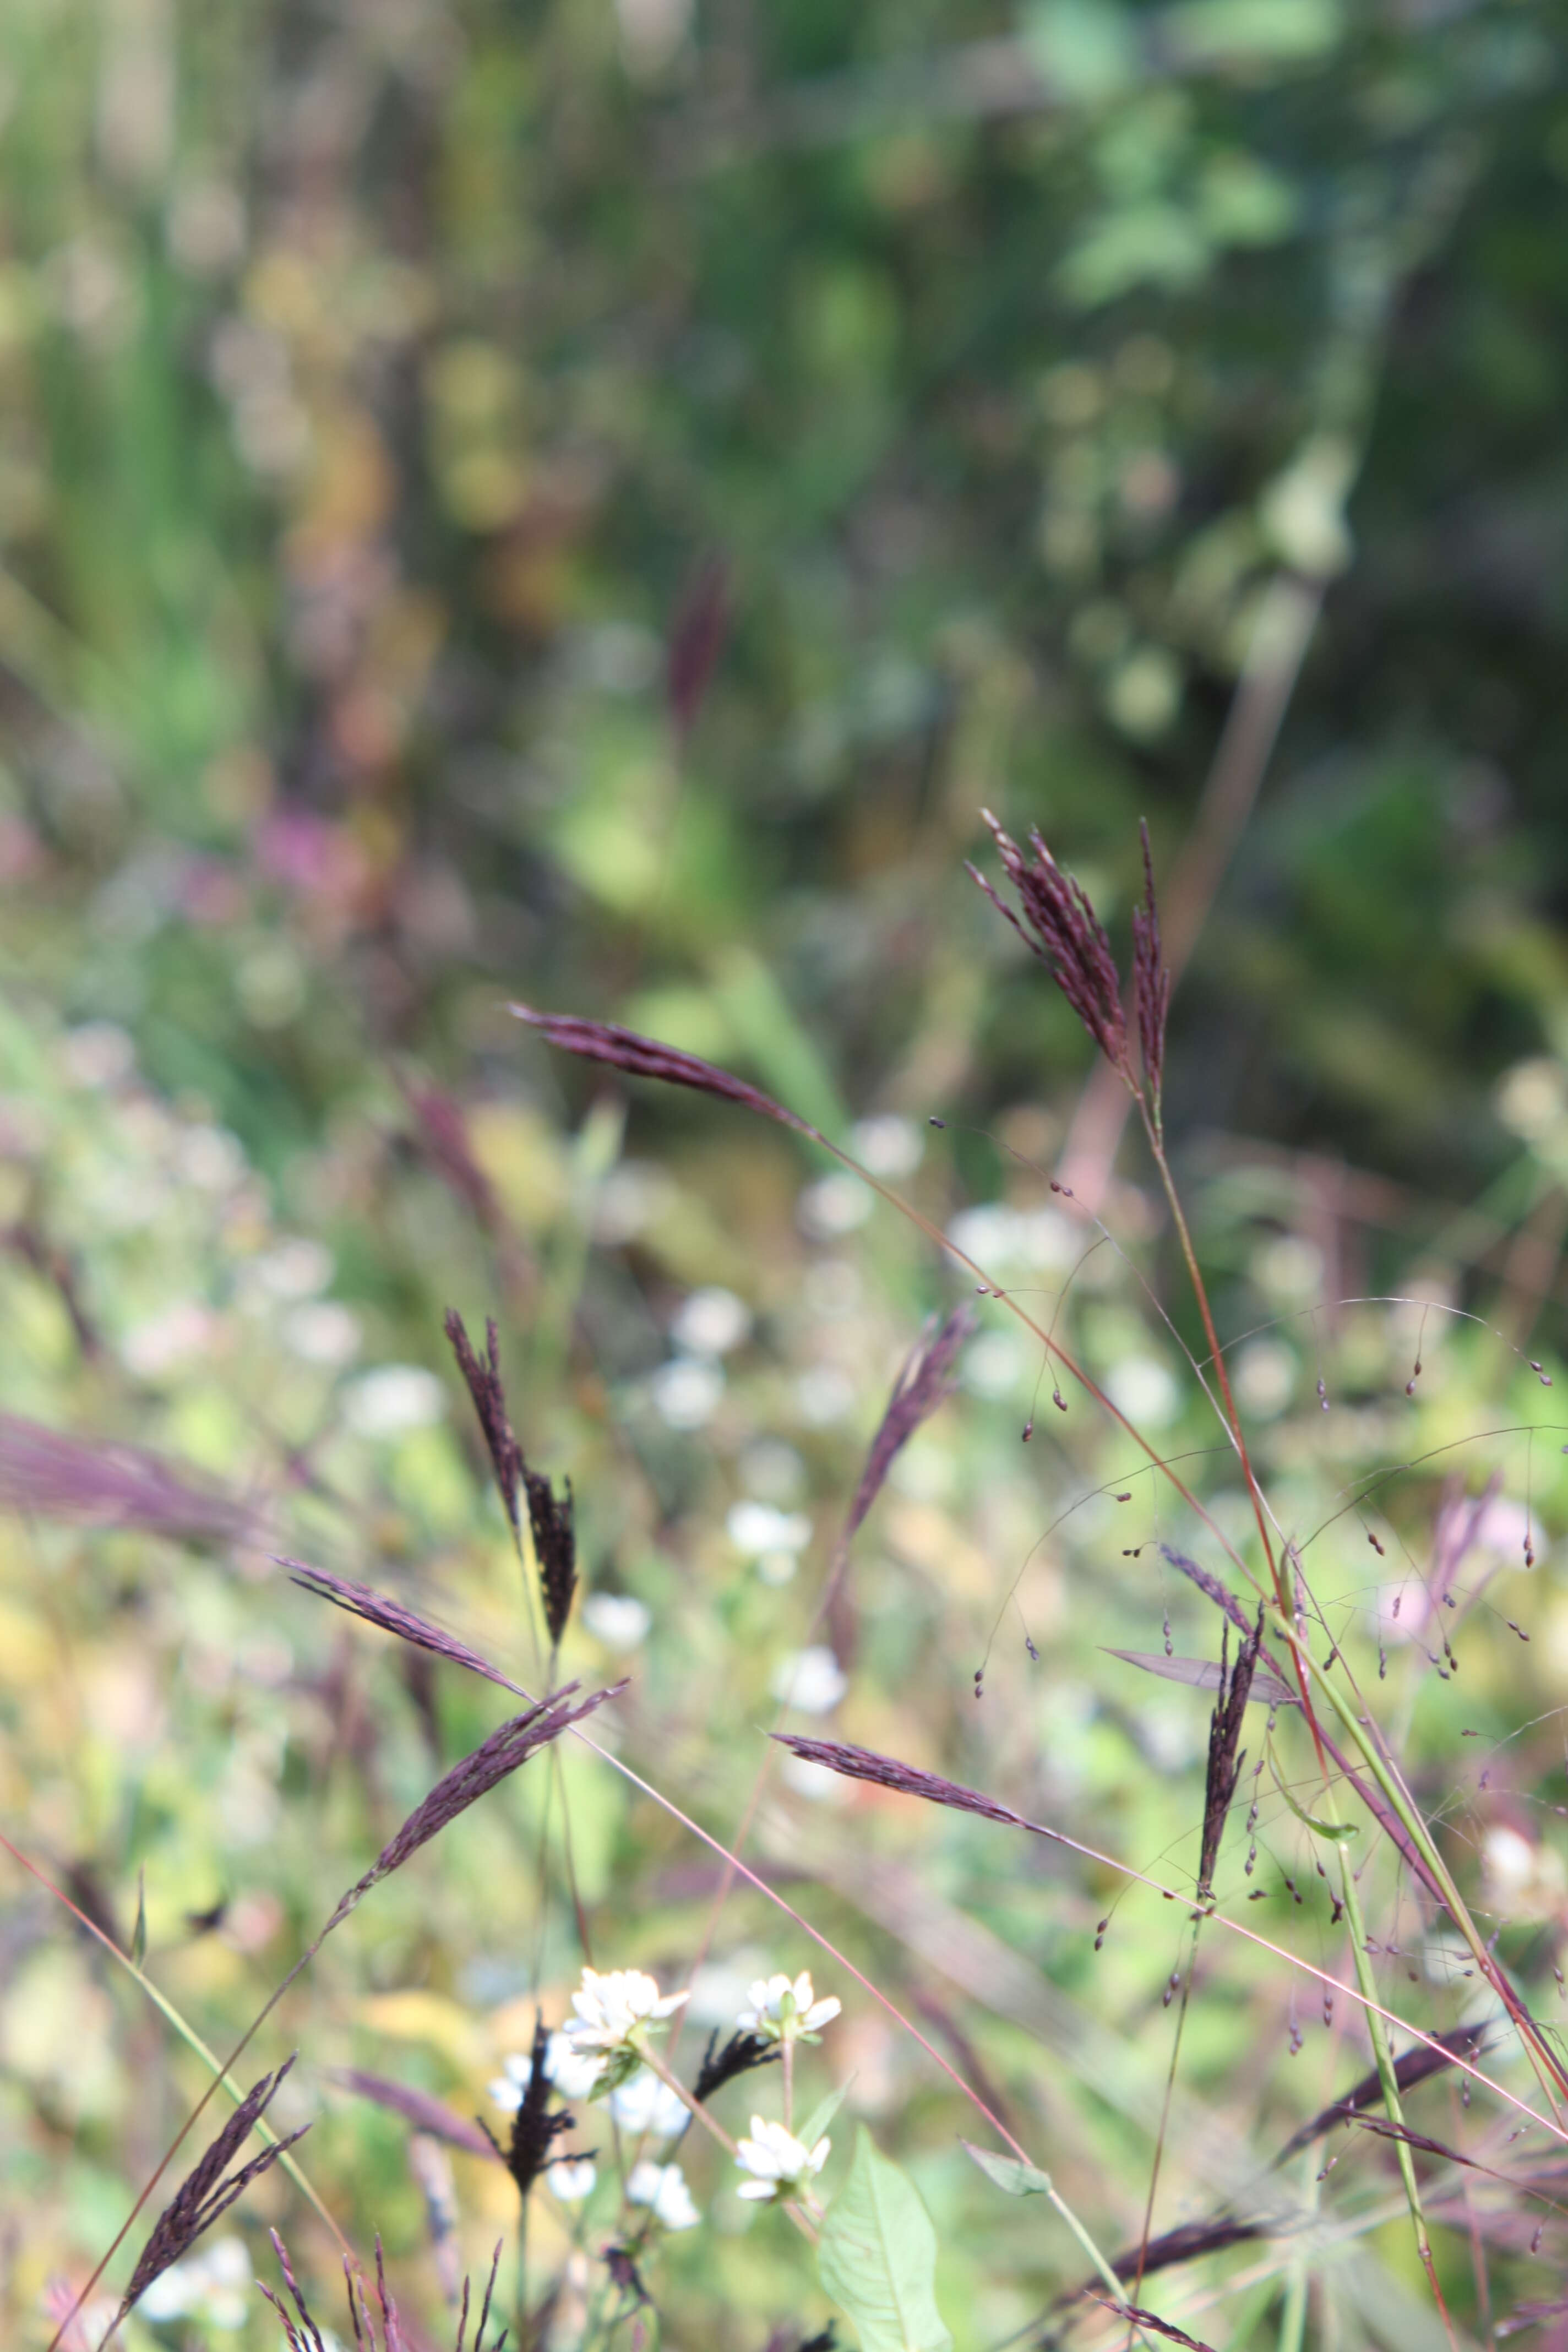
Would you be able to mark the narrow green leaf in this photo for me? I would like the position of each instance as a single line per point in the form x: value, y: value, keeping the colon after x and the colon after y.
x: 1338, y: 1830
x: 139, y: 1933
x: 821, y: 2115
x: 1009, y: 2172
x: 878, y: 2257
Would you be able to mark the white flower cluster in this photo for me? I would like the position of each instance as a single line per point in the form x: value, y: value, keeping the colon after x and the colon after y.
x: 600, y: 2053
x: 786, y: 2012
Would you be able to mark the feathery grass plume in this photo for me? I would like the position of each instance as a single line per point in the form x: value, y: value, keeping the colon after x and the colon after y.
x: 741, y: 2053
x: 696, y: 641
x: 444, y: 1135
x: 1068, y: 938
x: 549, y: 1516
x: 49, y: 1475
x: 203, y: 2196
x: 1224, y: 1754
x: 1152, y: 2322
x: 302, y: 2332
x: 925, y: 1381
x: 555, y: 1548
x: 1188, y: 2242
x: 645, y: 1057
x: 887, y: 1772
x: 1151, y: 983
x: 419, y: 2108
x: 1417, y: 2065
x: 534, y: 2130
x: 477, y: 1773
x: 379, y: 1609
x: 484, y: 1385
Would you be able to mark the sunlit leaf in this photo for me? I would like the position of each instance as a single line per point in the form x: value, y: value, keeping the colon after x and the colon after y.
x: 878, y: 2257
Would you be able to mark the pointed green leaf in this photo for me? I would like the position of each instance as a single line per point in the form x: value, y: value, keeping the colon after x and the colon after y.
x: 878, y: 2257
x: 1338, y: 1830
x: 1019, y: 2180
x: 821, y: 2115
x: 139, y: 1933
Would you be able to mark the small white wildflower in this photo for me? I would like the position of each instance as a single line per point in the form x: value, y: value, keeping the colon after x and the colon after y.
x: 886, y: 1145
x: 710, y: 1322
x: 780, y: 2164
x: 756, y: 1529
x: 572, y: 2181
x: 662, y: 2188
x: 616, y: 2014
x: 786, y: 2012
x: 645, y: 2104
x: 833, y: 1205
x: 617, y: 1619
x: 811, y: 1681
x: 572, y: 2074
x: 392, y: 1399
x: 686, y: 1392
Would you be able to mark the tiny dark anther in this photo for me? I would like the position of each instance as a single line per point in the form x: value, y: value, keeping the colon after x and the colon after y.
x: 1323, y: 1395
x: 1125, y: 1498
x: 1028, y: 1429
x: 1034, y: 1655
x: 1540, y: 2227
x: 1375, y: 1545
x: 1515, y: 1629
x: 936, y: 1122
x: 1060, y: 1401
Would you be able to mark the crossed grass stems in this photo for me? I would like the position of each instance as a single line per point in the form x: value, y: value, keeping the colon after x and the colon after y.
x: 1058, y: 923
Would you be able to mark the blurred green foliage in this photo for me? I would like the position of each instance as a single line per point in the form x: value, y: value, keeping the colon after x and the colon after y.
x: 585, y: 503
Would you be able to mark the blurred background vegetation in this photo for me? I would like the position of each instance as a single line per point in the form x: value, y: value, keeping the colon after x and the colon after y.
x: 585, y: 502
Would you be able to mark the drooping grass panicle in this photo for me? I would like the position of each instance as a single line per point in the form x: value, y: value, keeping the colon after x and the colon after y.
x: 205, y: 2194
x: 302, y: 2332
x: 1060, y: 927
x: 1416, y: 2066
x: 1151, y: 983
x: 506, y: 1748
x: 1152, y: 2322
x: 534, y: 2130
x: 696, y: 641
x: 739, y: 2055
x: 46, y: 1474
x: 484, y: 1386
x: 380, y: 1609
x: 420, y: 2108
x: 550, y: 1516
x: 1225, y: 1753
x: 887, y: 1772
x: 555, y: 1548
x: 645, y: 1057
x: 926, y: 1380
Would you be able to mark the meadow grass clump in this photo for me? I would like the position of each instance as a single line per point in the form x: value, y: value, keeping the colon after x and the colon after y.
x: 1064, y: 1945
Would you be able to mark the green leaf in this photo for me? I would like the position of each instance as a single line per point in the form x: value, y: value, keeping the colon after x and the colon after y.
x: 878, y: 2257
x: 821, y: 2115
x: 139, y: 1933
x: 1338, y: 1830
x: 1009, y: 2172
